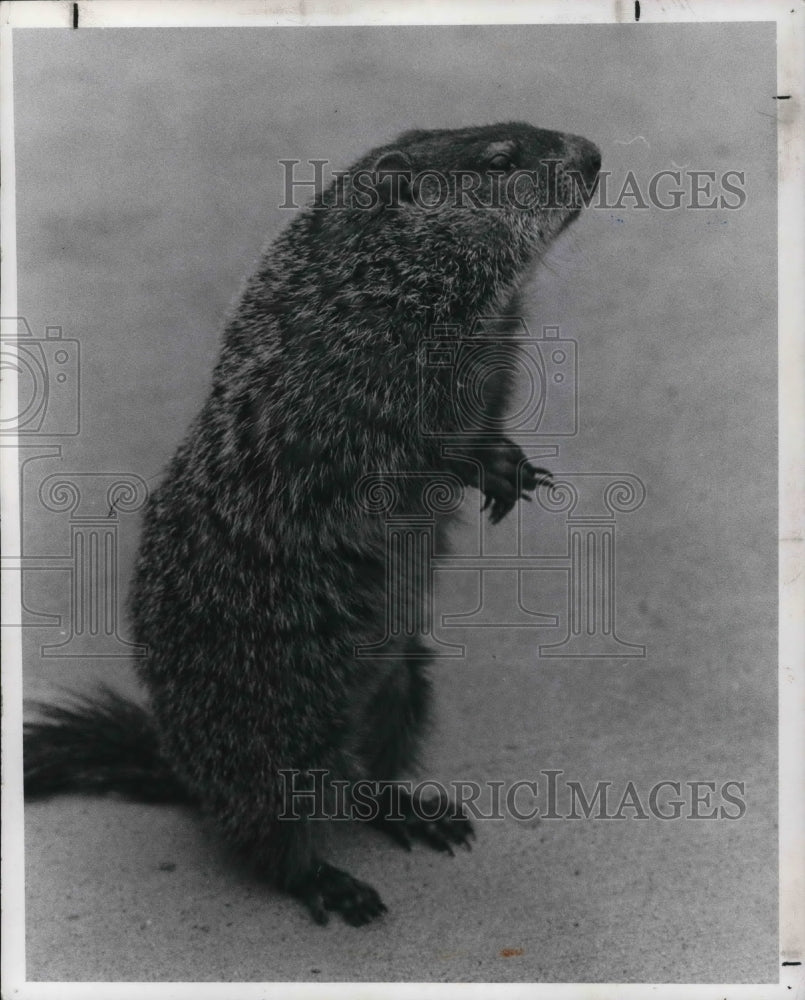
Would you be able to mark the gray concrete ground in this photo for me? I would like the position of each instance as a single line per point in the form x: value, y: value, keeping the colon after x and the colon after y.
x: 147, y: 181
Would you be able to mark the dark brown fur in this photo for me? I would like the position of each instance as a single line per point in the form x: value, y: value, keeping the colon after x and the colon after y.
x: 259, y: 572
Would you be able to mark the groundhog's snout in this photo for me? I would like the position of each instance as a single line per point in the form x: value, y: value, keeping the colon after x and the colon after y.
x: 585, y: 156
x: 593, y: 162
x: 582, y: 155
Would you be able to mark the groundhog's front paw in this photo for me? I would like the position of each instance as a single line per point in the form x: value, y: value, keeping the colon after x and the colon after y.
x: 508, y: 477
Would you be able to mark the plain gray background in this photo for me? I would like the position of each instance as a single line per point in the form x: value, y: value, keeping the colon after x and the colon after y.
x: 147, y: 181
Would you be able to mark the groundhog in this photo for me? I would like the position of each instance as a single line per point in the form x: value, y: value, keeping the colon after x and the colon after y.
x: 260, y: 572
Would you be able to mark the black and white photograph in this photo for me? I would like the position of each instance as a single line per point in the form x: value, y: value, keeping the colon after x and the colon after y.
x: 401, y: 480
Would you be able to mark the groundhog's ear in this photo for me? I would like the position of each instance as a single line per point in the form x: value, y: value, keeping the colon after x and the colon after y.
x: 393, y: 177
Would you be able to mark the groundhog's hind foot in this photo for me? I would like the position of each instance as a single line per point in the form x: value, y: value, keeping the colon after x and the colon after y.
x: 327, y: 888
x: 449, y: 826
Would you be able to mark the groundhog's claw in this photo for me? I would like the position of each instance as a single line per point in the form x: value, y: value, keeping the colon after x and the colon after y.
x: 508, y: 477
x: 536, y: 476
x: 449, y: 827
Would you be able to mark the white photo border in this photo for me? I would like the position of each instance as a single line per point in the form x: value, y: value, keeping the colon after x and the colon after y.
x: 790, y: 20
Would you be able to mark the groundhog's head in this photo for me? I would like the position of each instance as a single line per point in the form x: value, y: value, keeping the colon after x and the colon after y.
x: 512, y: 168
x: 453, y: 218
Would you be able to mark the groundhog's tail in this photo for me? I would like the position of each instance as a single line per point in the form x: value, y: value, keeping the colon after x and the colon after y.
x: 100, y: 743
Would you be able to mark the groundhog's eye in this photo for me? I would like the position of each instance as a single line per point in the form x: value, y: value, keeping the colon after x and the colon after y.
x: 501, y: 161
